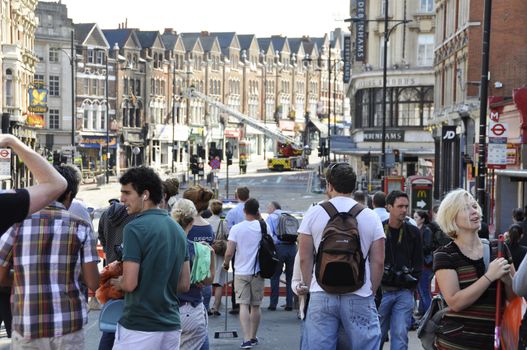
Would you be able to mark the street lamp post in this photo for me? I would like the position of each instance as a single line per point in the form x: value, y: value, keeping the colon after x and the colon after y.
x: 264, y: 100
x: 107, y: 123
x: 329, y: 102
x: 387, y: 33
x: 307, y: 65
x: 73, y: 112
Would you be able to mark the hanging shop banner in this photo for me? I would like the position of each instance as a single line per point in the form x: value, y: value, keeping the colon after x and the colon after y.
x: 347, y: 59
x: 35, y: 120
x: 360, y: 37
x: 38, y: 100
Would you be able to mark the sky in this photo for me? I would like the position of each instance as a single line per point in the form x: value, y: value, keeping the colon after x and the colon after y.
x: 292, y: 18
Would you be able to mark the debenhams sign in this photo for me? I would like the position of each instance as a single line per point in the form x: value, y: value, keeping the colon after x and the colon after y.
x: 390, y: 135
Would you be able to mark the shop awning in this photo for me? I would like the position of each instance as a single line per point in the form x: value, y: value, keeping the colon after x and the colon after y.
x: 132, y: 138
x: 319, y: 126
x: 97, y: 142
x: 164, y: 133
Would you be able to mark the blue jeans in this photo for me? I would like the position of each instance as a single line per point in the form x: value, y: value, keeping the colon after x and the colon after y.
x: 425, y: 296
x: 286, y: 254
x: 107, y: 340
x: 206, y: 292
x: 395, y: 311
x: 356, y: 315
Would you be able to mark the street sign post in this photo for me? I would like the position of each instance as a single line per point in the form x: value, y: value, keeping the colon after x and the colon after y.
x: 5, y: 162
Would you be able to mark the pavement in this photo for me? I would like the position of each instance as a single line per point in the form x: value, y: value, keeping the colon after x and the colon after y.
x: 279, y: 330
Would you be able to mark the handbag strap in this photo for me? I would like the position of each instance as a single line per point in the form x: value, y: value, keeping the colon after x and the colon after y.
x: 219, y: 231
x: 486, y: 253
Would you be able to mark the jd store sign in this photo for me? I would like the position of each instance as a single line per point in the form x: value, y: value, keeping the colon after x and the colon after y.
x: 448, y: 133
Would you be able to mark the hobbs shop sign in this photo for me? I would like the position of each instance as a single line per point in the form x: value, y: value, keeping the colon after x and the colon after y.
x: 395, y: 81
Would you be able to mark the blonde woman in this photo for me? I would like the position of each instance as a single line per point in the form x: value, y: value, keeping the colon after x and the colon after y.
x: 194, y: 322
x: 468, y: 286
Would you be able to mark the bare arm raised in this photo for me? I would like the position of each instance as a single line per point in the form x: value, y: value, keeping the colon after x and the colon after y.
x: 50, y: 184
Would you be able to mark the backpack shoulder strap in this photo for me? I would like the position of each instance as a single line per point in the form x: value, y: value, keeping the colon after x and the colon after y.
x: 263, y: 226
x: 356, y: 210
x: 329, y: 208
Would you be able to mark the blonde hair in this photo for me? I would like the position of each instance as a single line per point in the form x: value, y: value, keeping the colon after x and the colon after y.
x: 454, y: 202
x: 184, y: 212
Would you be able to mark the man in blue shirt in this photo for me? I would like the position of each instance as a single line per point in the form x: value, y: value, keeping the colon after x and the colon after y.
x: 235, y: 216
x: 286, y: 254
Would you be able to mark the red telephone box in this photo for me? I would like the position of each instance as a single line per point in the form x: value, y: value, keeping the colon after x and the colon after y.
x: 392, y: 183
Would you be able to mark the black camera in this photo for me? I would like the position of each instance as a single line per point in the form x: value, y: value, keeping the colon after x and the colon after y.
x: 118, y: 249
x: 398, y: 278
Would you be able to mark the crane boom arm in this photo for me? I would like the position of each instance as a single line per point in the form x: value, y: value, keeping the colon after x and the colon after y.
x: 192, y: 92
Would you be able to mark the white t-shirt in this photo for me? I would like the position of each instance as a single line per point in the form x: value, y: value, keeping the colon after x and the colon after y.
x: 370, y: 229
x: 247, y: 235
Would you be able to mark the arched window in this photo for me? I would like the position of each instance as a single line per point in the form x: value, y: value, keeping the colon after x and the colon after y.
x: 87, y: 110
x: 409, y: 107
x: 428, y: 104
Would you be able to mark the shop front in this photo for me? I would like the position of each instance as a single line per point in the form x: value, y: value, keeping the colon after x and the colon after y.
x: 92, y: 149
x: 162, y: 150
x: 132, y: 148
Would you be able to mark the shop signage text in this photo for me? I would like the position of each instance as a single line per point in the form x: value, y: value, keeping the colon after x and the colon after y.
x: 360, y: 38
x: 390, y: 135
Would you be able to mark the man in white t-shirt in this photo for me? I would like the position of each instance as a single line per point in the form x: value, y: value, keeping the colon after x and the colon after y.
x: 244, y: 239
x: 356, y: 311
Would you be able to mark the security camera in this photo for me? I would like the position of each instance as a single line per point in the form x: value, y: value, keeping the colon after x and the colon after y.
x: 498, y: 84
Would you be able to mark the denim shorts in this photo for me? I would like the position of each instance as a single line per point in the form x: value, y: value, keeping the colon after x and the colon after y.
x: 357, y: 315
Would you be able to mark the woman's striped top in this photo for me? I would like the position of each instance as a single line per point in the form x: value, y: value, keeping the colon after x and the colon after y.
x: 473, y: 327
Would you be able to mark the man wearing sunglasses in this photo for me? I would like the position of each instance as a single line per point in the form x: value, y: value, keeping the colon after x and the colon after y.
x: 355, y: 312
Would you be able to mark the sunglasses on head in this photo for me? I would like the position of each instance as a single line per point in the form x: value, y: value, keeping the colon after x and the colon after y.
x: 331, y: 167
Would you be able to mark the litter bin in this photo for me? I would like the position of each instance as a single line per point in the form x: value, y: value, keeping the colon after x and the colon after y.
x: 100, y: 179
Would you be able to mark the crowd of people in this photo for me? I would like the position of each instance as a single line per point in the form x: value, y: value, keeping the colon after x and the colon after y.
x: 174, y: 253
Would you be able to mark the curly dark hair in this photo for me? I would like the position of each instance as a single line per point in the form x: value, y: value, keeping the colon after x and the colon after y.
x: 171, y: 187
x: 392, y: 197
x: 73, y: 177
x: 143, y: 179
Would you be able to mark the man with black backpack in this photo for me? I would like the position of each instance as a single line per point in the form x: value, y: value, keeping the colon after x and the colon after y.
x: 345, y: 270
x: 284, y: 230
x: 245, y: 240
x: 402, y: 268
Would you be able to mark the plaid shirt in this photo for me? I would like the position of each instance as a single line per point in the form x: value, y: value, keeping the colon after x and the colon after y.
x: 46, y: 252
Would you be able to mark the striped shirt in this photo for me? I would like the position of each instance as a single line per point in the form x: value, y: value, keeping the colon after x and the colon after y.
x: 473, y: 327
x: 46, y: 252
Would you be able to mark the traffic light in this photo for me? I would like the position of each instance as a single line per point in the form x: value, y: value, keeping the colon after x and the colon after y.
x: 322, y: 150
x: 194, y: 166
x: 397, y: 155
x: 228, y: 153
x: 201, y: 152
x: 366, y: 159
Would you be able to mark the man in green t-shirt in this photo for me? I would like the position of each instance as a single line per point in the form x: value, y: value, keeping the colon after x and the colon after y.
x: 155, y: 267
